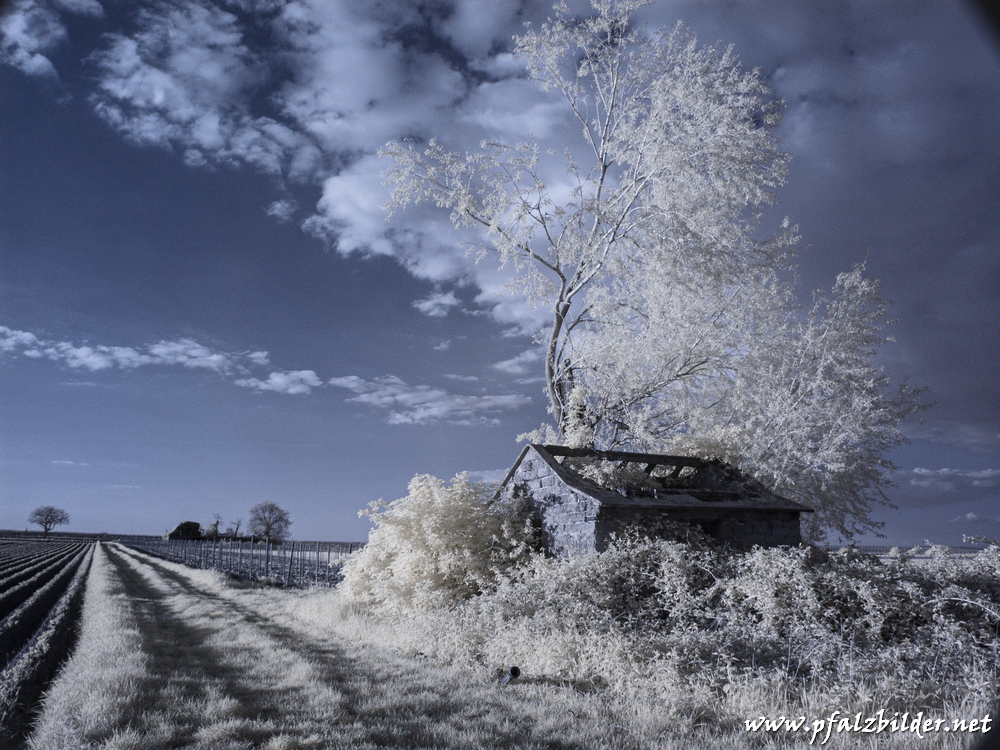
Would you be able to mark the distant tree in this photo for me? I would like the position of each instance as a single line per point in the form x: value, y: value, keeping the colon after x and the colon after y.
x: 212, y: 530
x: 234, y: 528
x: 270, y: 521
x: 48, y: 517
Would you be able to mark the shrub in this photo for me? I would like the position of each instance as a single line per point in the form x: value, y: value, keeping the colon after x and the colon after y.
x: 437, y: 546
x: 711, y: 631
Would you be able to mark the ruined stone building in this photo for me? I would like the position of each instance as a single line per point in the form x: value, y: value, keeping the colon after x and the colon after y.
x: 579, y: 497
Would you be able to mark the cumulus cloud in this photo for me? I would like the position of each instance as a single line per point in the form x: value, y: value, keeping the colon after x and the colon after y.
x: 423, y: 404
x: 27, y: 31
x: 31, y: 28
x: 341, y: 79
x: 437, y: 305
x: 186, y: 78
x: 522, y: 364
x: 294, y: 382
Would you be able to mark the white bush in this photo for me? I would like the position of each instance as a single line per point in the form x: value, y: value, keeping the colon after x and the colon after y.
x: 437, y: 546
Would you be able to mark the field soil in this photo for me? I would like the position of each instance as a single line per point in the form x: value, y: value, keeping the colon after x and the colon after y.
x: 173, y: 657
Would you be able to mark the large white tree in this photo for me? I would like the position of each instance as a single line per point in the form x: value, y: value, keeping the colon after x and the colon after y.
x: 674, y: 326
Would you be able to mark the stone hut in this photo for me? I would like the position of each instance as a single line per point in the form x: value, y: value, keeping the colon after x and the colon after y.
x: 185, y: 530
x: 577, y: 513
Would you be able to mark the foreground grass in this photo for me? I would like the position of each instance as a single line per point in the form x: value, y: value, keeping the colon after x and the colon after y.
x: 173, y: 657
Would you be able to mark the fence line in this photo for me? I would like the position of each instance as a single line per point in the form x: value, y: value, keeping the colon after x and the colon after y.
x: 288, y: 564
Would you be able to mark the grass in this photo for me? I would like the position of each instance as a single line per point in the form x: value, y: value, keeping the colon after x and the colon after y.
x: 173, y: 657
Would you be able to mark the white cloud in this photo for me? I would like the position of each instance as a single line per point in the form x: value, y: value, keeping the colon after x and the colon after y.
x: 296, y: 382
x: 463, y: 378
x: 522, y: 364
x: 422, y: 404
x: 69, y: 463
x: 184, y: 351
x: 282, y: 210
x: 187, y: 78
x: 438, y: 304
x: 11, y: 339
x: 490, y: 476
x: 349, y: 80
x: 90, y: 358
x: 189, y: 353
x: 977, y: 519
x: 27, y: 31
x: 948, y: 480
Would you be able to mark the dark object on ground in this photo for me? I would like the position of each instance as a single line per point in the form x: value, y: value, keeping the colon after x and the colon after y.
x: 511, y: 674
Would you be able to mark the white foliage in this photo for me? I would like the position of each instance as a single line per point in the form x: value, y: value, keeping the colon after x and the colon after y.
x: 674, y: 325
x: 438, y: 545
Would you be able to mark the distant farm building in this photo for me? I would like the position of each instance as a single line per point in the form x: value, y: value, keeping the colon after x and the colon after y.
x: 186, y: 530
x: 579, y: 497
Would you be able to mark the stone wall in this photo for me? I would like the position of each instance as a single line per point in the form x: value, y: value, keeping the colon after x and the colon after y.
x: 572, y: 521
x: 565, y: 517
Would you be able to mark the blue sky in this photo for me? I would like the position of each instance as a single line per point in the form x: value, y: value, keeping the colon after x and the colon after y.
x: 203, y: 306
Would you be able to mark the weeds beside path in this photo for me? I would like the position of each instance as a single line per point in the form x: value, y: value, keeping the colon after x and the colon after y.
x: 174, y: 657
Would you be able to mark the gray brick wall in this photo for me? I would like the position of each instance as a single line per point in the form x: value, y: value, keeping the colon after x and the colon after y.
x: 572, y: 521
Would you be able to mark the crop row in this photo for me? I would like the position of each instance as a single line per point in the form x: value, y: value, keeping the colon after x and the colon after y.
x: 288, y: 564
x: 13, y: 553
x: 40, y: 600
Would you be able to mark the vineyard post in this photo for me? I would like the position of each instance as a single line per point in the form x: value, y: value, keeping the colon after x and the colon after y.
x: 288, y: 572
x: 317, y: 564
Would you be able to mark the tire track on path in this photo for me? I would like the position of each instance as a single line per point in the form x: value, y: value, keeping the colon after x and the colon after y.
x: 221, y: 674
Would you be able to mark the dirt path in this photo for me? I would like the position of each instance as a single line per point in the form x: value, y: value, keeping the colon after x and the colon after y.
x: 225, y: 667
